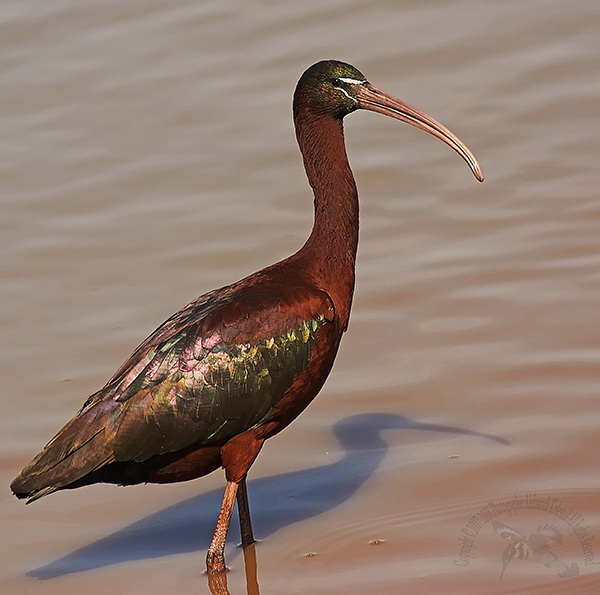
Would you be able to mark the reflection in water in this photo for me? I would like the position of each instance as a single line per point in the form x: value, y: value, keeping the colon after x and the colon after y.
x: 217, y: 581
x: 250, y: 567
x: 280, y: 500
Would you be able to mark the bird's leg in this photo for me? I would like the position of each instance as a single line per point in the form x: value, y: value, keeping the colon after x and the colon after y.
x: 215, y: 557
x: 244, y: 514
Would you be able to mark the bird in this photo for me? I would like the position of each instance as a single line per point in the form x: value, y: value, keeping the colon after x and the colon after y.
x: 537, y: 547
x: 238, y: 364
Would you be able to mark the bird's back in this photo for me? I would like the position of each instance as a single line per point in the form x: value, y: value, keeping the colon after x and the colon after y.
x: 215, y: 369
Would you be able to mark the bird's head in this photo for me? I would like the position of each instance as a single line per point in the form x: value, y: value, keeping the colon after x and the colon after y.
x: 329, y: 87
x: 335, y: 89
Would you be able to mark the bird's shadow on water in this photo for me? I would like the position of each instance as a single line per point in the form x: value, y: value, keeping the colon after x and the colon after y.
x: 276, y: 501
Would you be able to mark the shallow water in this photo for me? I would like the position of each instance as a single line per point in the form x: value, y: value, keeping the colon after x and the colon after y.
x: 148, y: 155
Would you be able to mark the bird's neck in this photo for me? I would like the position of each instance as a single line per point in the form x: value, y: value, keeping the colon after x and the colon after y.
x: 330, y: 251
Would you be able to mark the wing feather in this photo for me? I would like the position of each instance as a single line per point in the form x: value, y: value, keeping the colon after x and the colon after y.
x: 214, y: 369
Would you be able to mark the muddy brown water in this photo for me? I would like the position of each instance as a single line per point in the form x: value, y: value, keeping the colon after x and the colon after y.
x: 147, y: 155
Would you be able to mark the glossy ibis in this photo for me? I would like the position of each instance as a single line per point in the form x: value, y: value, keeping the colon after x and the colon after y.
x: 238, y: 364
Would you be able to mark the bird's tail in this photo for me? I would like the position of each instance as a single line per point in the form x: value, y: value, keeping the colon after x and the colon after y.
x: 78, y: 449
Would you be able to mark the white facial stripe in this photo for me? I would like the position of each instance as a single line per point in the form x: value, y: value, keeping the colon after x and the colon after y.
x: 352, y: 81
x: 346, y: 93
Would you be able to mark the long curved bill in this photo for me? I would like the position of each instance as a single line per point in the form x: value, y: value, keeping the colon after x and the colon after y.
x: 375, y: 100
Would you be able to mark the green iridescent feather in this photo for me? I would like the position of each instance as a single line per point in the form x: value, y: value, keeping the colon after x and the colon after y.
x: 229, y: 389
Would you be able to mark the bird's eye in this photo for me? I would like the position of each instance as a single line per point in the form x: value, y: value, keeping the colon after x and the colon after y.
x: 336, y: 82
